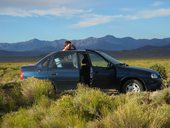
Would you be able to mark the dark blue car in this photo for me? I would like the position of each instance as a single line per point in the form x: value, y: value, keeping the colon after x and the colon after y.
x: 95, y: 68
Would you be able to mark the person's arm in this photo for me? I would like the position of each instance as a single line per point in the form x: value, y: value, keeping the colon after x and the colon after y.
x: 66, y: 48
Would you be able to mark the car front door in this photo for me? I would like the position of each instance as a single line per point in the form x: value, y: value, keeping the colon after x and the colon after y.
x: 103, y: 74
x: 64, y: 70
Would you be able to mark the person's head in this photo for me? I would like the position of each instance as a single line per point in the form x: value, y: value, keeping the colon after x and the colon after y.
x: 67, y: 43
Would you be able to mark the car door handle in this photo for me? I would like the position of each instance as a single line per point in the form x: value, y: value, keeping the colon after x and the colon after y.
x: 54, y: 74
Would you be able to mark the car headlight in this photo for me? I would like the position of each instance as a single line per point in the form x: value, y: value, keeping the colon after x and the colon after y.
x: 154, y: 76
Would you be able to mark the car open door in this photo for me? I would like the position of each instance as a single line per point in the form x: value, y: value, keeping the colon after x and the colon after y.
x: 104, y: 76
x: 64, y: 70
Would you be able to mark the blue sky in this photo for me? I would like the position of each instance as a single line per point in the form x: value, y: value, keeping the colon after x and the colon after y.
x: 22, y: 20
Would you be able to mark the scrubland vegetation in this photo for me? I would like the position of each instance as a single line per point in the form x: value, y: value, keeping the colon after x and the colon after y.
x: 33, y: 103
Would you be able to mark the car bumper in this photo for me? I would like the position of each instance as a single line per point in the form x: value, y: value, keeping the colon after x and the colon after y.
x: 153, y: 85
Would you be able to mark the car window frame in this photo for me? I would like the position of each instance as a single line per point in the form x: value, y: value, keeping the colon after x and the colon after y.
x: 99, y: 56
x: 46, y: 59
x: 54, y: 55
x: 39, y: 64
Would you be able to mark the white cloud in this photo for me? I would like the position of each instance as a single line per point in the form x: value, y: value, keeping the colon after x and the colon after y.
x: 147, y: 14
x: 14, y: 12
x: 87, y: 17
x: 61, y: 11
x: 93, y: 19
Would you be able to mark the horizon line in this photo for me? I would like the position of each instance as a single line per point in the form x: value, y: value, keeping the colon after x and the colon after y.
x: 85, y: 38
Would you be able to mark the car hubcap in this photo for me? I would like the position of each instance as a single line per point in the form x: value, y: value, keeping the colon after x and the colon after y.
x: 133, y: 87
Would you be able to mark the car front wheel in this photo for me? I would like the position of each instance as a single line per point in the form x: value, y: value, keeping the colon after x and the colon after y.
x: 132, y: 86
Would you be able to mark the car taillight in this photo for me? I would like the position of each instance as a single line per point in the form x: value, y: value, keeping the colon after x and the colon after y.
x: 21, y: 75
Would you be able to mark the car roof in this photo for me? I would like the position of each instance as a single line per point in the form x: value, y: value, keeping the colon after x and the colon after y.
x: 52, y: 53
x: 73, y: 50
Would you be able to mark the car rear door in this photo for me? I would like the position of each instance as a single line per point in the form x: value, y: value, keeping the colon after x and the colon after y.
x: 64, y: 70
x: 103, y: 75
x: 41, y: 71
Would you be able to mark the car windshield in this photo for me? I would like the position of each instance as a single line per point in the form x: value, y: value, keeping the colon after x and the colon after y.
x: 110, y: 58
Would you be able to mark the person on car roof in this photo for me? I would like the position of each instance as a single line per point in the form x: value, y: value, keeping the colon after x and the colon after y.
x: 68, y: 46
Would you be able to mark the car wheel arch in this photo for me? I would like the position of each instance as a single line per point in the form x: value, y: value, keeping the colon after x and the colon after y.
x: 125, y: 79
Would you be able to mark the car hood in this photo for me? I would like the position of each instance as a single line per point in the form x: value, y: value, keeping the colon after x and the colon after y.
x: 140, y: 69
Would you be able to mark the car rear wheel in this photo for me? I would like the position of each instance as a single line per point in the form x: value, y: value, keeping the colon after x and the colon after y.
x: 132, y: 86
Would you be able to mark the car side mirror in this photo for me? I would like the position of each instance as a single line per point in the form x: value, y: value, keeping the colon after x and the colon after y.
x: 110, y: 65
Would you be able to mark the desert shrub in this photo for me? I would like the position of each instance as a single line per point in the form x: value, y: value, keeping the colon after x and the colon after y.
x: 76, y: 110
x: 1, y: 72
x: 88, y: 107
x: 27, y: 118
x: 23, y: 94
x: 8, y: 104
x: 166, y: 113
x: 62, y: 113
x: 161, y: 69
x: 44, y: 113
x: 135, y: 115
x: 168, y: 83
x: 92, y: 103
x: 32, y: 89
x: 1, y: 101
x: 10, y: 97
x: 20, y: 119
x: 129, y: 115
x: 68, y: 111
x: 10, y: 75
x: 161, y: 97
x: 158, y: 117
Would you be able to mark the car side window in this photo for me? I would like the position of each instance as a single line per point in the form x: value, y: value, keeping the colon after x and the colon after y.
x: 64, y: 60
x: 45, y: 63
x: 97, y: 61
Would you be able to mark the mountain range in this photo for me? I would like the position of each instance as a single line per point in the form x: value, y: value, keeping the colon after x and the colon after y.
x: 118, y: 47
x: 144, y: 52
x: 108, y: 43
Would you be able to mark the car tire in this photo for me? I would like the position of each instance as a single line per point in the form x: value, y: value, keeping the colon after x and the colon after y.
x: 132, y: 86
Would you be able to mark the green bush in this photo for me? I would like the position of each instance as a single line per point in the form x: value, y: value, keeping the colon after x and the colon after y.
x: 136, y: 112
x: 129, y: 115
x: 91, y: 103
x: 76, y: 110
x: 88, y: 107
x: 62, y: 113
x: 28, y: 118
x: 161, y: 97
x: 10, y: 97
x: 68, y: 111
x: 23, y: 94
x: 9, y: 75
x: 1, y: 72
x: 32, y: 89
x: 161, y: 69
x: 20, y: 119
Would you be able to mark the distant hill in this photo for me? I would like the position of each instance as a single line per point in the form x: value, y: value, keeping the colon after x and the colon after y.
x: 11, y: 56
x: 108, y: 43
x: 143, y: 52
